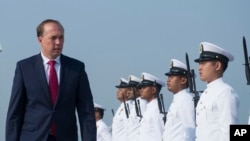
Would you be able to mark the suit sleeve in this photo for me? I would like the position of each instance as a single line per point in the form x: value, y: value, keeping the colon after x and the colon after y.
x: 16, y: 107
x: 85, y: 108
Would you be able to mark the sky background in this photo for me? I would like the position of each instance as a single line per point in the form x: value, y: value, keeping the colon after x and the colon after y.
x: 116, y: 38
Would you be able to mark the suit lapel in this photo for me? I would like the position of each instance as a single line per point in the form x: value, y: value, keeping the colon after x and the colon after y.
x: 63, y: 77
x: 41, y: 73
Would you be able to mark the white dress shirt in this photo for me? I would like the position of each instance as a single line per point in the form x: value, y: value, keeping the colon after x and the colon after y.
x: 216, y: 110
x: 180, y: 125
x: 103, y: 131
x: 119, y: 132
x: 134, y: 120
x: 46, y: 67
x: 152, y: 124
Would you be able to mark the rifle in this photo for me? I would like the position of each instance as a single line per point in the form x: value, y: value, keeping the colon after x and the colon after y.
x: 125, y: 106
x: 163, y: 107
x: 196, y: 93
x: 191, y: 82
x: 112, y: 110
x: 247, y: 69
x: 160, y: 106
x: 137, y: 106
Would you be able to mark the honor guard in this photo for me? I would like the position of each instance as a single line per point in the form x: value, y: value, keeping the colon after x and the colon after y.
x: 218, y: 106
x: 137, y: 109
x: 119, y: 132
x: 103, y: 131
x: 152, y: 124
x: 180, y: 125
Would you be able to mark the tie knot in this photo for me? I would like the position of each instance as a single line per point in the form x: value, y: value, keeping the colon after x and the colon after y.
x: 51, y: 62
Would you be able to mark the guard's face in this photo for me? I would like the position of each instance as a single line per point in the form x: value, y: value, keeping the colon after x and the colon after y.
x: 208, y: 70
x: 122, y: 93
x: 52, y: 40
x: 97, y: 115
x: 147, y: 93
x: 130, y: 93
x: 174, y: 83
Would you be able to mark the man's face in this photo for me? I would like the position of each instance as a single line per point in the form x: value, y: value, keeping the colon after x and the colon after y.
x: 174, y: 83
x: 122, y: 93
x: 130, y: 93
x: 52, y: 40
x: 208, y: 70
x: 148, y: 93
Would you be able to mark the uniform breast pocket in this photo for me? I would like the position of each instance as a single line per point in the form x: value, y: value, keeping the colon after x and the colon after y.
x: 211, y: 113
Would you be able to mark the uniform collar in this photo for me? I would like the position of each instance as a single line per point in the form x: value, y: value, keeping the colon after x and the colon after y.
x: 215, y: 82
x: 179, y: 94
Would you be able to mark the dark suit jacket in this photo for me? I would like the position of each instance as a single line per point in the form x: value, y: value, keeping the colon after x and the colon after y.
x: 30, y: 109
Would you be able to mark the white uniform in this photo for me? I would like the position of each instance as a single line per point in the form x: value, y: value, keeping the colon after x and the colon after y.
x: 119, y: 132
x: 216, y: 110
x: 152, y: 124
x: 249, y: 119
x: 134, y: 120
x: 180, y: 125
x: 103, y: 131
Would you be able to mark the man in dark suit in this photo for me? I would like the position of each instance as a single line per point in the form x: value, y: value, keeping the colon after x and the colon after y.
x: 35, y: 112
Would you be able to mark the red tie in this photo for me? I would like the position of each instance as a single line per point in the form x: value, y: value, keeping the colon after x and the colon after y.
x: 53, y: 89
x: 53, y: 82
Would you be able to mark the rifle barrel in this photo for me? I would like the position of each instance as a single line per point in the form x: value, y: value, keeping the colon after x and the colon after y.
x: 125, y: 106
x: 163, y: 107
x: 137, y: 106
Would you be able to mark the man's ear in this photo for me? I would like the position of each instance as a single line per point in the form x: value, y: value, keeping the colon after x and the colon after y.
x: 218, y: 65
x: 39, y: 39
x: 183, y: 80
x: 154, y: 90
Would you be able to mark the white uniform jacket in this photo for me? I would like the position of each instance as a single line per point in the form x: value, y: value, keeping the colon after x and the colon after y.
x: 103, y: 131
x: 216, y: 110
x: 134, y: 120
x: 119, y: 132
x: 152, y: 124
x: 180, y: 125
x: 249, y: 119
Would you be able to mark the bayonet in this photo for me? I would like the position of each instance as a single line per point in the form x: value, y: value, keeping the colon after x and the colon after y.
x: 190, y: 80
x: 112, y: 110
x: 247, y: 69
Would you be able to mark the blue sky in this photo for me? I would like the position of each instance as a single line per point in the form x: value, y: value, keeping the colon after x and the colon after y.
x: 116, y: 38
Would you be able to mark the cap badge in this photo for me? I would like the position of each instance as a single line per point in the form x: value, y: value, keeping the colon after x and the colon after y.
x: 171, y: 64
x: 142, y: 77
x: 130, y: 78
x: 201, y: 48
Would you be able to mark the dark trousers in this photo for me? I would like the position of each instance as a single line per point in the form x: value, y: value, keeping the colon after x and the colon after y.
x: 51, y: 138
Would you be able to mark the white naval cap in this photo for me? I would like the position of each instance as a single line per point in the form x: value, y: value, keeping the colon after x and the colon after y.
x: 123, y: 83
x: 98, y: 106
x: 177, y: 68
x: 133, y: 81
x: 150, y: 80
x: 209, y: 51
